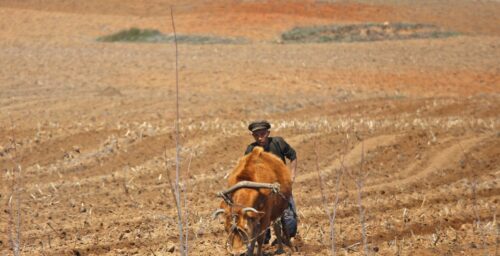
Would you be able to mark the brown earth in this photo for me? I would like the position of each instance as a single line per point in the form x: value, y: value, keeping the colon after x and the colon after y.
x: 91, y: 125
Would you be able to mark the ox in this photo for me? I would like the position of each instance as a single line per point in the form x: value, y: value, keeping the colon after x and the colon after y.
x: 259, y: 189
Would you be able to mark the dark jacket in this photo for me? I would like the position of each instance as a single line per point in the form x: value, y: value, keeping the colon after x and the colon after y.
x: 276, y: 146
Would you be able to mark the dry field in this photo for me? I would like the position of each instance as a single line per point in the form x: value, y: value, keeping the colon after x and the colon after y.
x: 87, y: 128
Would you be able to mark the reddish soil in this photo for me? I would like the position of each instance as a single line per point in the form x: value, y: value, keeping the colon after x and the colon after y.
x: 90, y: 125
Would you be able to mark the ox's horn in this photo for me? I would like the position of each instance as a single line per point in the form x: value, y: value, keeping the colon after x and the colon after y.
x: 249, y: 209
x: 217, y: 212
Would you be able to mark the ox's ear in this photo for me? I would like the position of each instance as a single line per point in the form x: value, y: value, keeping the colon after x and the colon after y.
x: 217, y: 213
x: 254, y: 214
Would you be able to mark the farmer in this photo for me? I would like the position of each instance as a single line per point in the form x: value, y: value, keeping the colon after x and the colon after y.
x: 279, y: 147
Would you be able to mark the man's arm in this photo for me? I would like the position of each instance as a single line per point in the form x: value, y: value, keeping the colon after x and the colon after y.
x: 249, y: 149
x: 289, y: 153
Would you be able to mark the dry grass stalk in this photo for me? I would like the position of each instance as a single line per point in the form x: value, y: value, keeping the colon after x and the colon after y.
x: 336, y: 201
x: 175, y: 188
x: 497, y: 230
x: 350, y: 247
x: 14, y: 223
x: 331, y: 213
x: 359, y: 181
x: 475, y: 208
x: 473, y: 186
x: 477, y: 227
x: 323, y: 195
x: 399, y: 246
x: 436, y: 237
x: 186, y: 208
x: 306, y: 233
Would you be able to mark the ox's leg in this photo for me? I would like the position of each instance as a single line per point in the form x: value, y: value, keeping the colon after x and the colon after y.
x: 260, y: 242
x: 279, y: 237
x: 250, y: 248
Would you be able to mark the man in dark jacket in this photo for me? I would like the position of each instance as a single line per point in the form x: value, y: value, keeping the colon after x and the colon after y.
x: 279, y: 147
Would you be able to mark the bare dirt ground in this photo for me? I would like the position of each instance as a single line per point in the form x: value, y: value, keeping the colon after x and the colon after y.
x: 91, y: 124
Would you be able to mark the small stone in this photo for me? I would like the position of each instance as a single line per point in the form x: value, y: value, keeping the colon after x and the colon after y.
x: 171, y: 249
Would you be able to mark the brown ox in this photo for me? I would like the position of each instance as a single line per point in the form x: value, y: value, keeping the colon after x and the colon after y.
x: 251, y: 205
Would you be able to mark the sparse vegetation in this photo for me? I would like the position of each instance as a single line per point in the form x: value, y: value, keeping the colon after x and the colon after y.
x: 96, y: 139
x: 133, y: 35
x: 154, y: 36
x: 363, y: 32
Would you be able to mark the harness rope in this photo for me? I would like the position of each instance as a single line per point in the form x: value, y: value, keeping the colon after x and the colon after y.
x: 246, y: 239
x: 235, y: 230
x: 241, y: 232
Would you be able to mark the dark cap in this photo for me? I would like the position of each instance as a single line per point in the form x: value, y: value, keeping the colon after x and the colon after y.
x: 259, y: 125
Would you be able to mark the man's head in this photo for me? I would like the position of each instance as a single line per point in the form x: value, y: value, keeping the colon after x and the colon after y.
x: 260, y: 131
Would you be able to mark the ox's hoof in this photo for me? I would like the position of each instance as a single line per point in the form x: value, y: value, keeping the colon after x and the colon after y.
x: 279, y: 251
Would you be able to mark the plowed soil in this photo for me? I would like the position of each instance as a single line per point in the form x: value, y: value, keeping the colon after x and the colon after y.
x: 405, y: 134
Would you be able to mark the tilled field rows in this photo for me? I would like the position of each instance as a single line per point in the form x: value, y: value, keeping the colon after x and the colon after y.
x: 411, y: 124
x: 421, y: 180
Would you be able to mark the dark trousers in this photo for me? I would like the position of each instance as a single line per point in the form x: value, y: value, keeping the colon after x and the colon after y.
x: 288, y: 221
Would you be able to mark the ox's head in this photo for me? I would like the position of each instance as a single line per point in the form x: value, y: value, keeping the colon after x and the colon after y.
x: 242, y: 225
